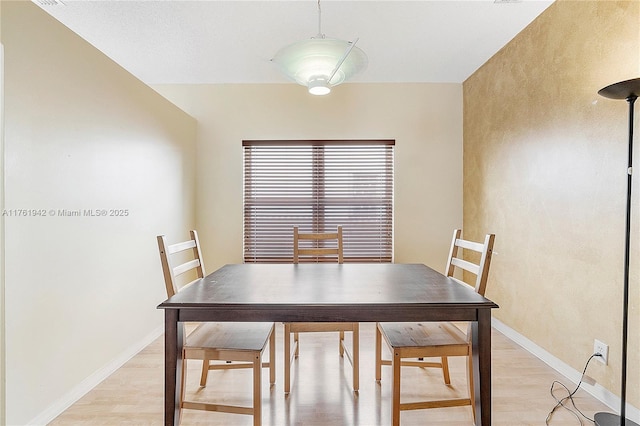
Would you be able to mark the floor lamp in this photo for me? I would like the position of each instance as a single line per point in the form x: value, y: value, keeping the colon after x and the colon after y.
x: 629, y: 90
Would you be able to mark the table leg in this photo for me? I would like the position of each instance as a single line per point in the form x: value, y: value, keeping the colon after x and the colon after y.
x: 481, y: 349
x: 287, y: 358
x: 173, y: 342
x: 356, y: 357
x: 396, y: 363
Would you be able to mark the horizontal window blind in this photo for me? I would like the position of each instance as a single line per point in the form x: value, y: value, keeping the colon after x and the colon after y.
x: 318, y: 185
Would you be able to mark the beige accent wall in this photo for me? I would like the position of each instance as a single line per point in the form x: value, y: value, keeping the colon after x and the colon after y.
x: 424, y: 119
x: 82, y: 134
x: 545, y: 161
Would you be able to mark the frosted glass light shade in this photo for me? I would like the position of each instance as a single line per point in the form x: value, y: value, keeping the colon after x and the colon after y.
x: 311, y: 62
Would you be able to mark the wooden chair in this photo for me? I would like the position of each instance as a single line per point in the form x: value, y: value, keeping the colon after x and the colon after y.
x: 225, y: 342
x: 434, y: 339
x: 318, y: 252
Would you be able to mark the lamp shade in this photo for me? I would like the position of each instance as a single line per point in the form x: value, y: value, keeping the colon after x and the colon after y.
x: 312, y: 63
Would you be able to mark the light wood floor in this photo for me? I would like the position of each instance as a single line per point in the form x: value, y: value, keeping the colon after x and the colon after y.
x: 321, y: 390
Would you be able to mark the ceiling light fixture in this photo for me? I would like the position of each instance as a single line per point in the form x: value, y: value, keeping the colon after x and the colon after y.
x: 320, y: 63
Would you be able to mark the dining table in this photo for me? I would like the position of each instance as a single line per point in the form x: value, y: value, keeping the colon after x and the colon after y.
x: 328, y: 292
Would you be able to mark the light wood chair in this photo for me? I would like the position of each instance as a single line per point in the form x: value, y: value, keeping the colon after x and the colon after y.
x: 318, y: 252
x: 435, y: 339
x: 218, y: 345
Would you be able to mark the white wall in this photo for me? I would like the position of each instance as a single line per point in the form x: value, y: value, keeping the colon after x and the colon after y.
x: 424, y: 119
x: 81, y: 134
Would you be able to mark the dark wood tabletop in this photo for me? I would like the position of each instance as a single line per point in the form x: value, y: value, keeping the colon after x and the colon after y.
x: 319, y: 292
x: 329, y: 292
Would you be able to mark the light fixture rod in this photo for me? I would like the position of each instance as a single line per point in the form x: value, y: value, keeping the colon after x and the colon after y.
x: 320, y: 35
x: 335, y: 70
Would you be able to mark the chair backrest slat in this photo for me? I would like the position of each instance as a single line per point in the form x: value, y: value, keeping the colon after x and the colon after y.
x: 471, y: 245
x: 319, y: 236
x: 467, y: 266
x: 185, y: 267
x: 178, y: 247
x: 319, y: 250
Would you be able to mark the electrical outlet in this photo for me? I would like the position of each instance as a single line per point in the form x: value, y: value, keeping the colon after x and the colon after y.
x: 602, y: 349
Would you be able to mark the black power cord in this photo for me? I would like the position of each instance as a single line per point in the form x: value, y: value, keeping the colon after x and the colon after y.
x: 561, y: 402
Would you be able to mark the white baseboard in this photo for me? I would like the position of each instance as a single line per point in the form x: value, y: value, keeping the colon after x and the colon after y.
x: 597, y: 391
x: 93, y: 380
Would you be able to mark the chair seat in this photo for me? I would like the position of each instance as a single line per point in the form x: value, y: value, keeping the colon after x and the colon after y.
x: 418, y: 335
x: 241, y: 336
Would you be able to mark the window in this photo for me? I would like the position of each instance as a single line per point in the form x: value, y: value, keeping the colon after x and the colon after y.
x: 318, y: 185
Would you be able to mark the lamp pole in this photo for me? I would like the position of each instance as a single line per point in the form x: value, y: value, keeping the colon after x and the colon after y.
x: 629, y: 90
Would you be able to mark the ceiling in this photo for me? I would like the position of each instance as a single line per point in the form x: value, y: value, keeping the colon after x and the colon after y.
x: 177, y: 41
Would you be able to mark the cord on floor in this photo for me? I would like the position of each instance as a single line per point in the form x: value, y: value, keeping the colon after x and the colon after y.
x: 561, y: 402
